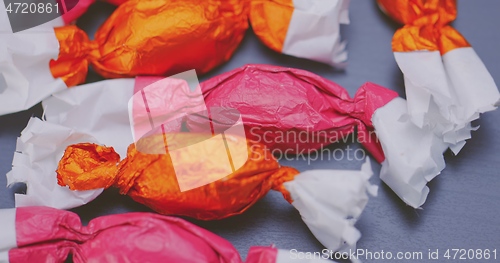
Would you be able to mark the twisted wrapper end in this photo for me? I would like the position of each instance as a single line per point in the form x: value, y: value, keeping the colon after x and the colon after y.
x: 38, y: 149
x: 447, y: 84
x: 331, y: 201
x: 75, y: 53
x: 414, y: 156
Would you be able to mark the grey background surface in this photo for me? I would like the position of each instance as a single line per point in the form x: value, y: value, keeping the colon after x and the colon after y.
x: 462, y: 210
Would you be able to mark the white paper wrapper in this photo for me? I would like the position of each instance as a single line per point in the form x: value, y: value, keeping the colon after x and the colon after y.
x: 98, y: 109
x: 37, y: 155
x: 25, y: 77
x: 445, y: 93
x: 413, y: 156
x: 314, y: 31
x: 8, y: 233
x: 95, y: 112
x: 331, y: 201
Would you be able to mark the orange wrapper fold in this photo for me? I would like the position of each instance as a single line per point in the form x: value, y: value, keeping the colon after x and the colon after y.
x: 324, y: 198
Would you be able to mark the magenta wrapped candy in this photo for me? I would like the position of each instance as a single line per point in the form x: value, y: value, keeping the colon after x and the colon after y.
x: 296, y: 111
x: 290, y: 111
x: 42, y: 234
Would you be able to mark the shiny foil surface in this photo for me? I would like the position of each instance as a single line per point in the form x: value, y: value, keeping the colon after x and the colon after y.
x: 151, y: 179
x: 154, y: 37
x: 165, y: 37
x: 426, y: 25
x: 46, y: 234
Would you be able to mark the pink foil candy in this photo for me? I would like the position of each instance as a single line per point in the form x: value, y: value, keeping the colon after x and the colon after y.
x: 294, y: 110
x: 42, y: 234
x: 290, y: 111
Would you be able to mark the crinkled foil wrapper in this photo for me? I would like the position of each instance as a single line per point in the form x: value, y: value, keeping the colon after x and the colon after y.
x: 151, y: 179
x: 294, y: 111
x: 155, y: 37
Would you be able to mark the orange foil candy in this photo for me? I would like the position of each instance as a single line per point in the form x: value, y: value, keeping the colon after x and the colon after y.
x: 151, y: 179
x: 329, y: 201
x: 164, y: 37
x: 153, y: 37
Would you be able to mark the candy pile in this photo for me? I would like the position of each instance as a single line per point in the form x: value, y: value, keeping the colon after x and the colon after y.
x: 210, y: 151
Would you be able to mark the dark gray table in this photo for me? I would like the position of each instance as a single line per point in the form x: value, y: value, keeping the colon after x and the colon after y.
x: 462, y: 210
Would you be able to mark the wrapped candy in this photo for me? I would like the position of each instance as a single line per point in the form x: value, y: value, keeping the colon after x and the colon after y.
x: 181, y: 35
x: 312, y: 111
x: 42, y: 234
x: 447, y: 84
x: 98, y: 113
x: 155, y: 179
x: 323, y: 197
x: 196, y: 34
x: 270, y: 99
x: 191, y: 34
